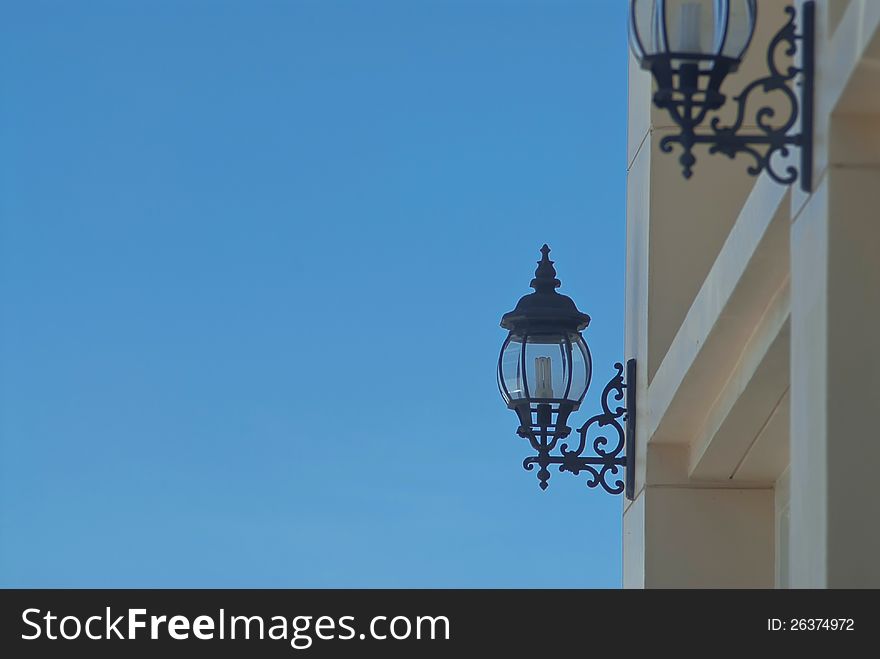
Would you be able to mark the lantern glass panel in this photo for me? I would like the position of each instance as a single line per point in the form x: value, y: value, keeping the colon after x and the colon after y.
x: 554, y: 367
x: 692, y: 26
x: 581, y: 368
x: 643, y: 35
x: 510, y: 379
x: 740, y: 27
x: 548, y: 366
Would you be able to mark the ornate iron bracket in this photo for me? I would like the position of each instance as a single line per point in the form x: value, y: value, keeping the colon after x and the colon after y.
x: 608, y: 457
x: 689, y: 105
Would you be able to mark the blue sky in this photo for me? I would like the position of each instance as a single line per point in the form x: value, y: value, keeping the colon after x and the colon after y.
x: 253, y: 256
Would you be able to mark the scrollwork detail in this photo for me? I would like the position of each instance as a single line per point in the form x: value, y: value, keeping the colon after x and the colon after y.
x: 767, y: 142
x: 606, y: 458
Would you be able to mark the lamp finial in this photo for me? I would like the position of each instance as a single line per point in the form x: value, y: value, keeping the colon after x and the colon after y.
x: 545, y: 280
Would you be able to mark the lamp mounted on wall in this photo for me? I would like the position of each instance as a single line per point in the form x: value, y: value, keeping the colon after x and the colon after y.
x: 544, y: 371
x: 691, y: 45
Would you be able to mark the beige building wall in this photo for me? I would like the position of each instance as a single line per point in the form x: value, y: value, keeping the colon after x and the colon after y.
x: 754, y: 313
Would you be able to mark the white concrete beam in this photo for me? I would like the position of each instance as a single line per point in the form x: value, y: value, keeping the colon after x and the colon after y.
x: 750, y: 268
x: 748, y: 399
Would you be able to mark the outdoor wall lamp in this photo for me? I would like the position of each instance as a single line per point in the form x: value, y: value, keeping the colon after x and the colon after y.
x: 691, y: 45
x: 544, y: 371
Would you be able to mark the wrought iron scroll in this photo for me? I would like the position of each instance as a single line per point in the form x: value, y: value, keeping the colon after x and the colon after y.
x: 606, y: 457
x: 766, y: 141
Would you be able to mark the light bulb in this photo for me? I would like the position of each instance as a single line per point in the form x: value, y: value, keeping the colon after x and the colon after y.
x: 543, y: 378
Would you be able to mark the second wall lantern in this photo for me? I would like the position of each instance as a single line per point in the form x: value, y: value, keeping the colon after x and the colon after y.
x: 690, y: 46
x: 544, y: 371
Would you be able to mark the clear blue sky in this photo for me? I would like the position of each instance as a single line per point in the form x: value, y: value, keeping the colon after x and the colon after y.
x: 253, y: 256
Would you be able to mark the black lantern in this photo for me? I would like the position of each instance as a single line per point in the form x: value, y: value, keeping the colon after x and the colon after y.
x: 691, y: 45
x: 545, y: 366
x: 544, y: 371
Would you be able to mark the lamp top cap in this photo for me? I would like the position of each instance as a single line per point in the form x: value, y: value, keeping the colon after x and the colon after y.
x: 545, y: 310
